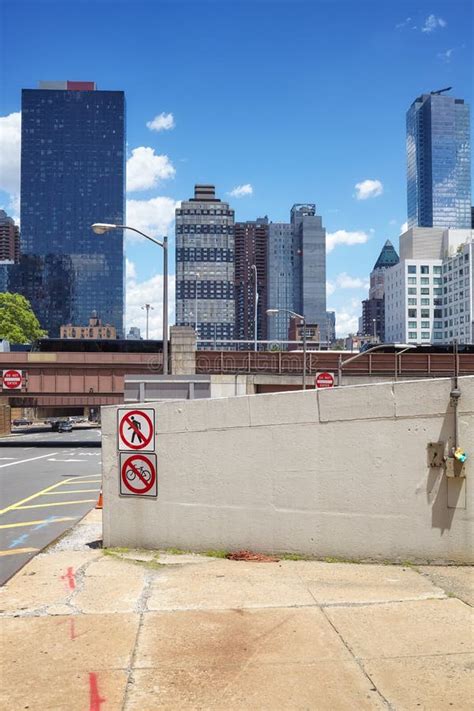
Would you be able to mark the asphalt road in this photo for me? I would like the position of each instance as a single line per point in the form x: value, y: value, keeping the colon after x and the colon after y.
x: 43, y: 492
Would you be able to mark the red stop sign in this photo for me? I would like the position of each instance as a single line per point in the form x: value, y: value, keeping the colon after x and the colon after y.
x: 12, y: 379
x: 324, y: 380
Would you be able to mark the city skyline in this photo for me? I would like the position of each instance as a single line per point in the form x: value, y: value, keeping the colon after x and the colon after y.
x: 329, y: 127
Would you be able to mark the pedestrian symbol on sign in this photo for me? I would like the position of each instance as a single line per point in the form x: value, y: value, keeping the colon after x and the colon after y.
x: 136, y: 426
x: 136, y: 429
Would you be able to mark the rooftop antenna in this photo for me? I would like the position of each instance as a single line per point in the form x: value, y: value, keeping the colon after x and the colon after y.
x: 441, y: 91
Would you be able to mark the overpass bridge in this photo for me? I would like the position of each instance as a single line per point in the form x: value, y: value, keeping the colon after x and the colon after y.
x: 74, y: 382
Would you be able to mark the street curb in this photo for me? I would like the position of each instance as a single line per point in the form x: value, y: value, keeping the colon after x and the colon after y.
x: 52, y: 444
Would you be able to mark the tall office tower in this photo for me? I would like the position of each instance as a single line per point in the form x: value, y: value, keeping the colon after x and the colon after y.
x: 310, y: 237
x: 72, y: 175
x: 9, y: 239
x: 373, y: 308
x: 297, y: 270
x: 205, y: 265
x: 282, y: 270
x: 438, y: 162
x: 330, y: 334
x: 251, y: 246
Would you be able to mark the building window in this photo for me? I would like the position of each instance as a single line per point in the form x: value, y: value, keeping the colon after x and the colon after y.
x: 425, y: 313
x: 412, y: 280
x: 425, y: 335
x: 425, y: 324
x: 412, y: 335
x: 412, y: 302
x: 412, y: 324
x: 411, y: 290
x: 412, y: 269
x: 425, y: 291
x: 411, y: 313
x: 425, y: 302
x: 425, y: 280
x: 424, y: 270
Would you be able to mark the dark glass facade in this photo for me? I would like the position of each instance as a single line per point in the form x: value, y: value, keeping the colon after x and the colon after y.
x: 72, y: 175
x: 438, y: 162
x: 251, y: 259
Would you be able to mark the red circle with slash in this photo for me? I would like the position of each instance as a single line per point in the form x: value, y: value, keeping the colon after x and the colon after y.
x: 144, y: 439
x: 131, y: 471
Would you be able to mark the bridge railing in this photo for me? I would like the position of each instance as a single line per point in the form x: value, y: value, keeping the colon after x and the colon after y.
x: 291, y: 363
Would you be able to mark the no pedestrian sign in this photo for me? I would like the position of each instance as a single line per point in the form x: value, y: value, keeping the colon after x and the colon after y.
x: 138, y: 475
x: 136, y: 429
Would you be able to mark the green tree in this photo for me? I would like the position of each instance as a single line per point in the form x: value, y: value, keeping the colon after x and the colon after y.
x: 18, y: 323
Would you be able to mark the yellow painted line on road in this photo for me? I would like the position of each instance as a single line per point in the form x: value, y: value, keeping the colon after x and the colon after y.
x: 55, y: 503
x: 87, y: 481
x: 18, y: 551
x: 69, y: 491
x: 37, y: 523
x: 14, y: 506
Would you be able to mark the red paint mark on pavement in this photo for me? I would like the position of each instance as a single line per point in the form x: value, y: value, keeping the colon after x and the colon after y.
x: 95, y: 699
x: 69, y: 577
x: 72, y: 629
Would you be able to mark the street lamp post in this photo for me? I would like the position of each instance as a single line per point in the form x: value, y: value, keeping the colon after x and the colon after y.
x: 100, y: 228
x: 147, y: 308
x: 255, y: 306
x: 341, y: 363
x: 273, y: 312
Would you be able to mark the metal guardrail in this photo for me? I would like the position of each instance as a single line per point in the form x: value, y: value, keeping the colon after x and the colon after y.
x: 291, y: 363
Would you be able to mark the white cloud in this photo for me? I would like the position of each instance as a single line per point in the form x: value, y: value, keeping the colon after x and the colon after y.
x: 446, y: 56
x: 432, y: 23
x: 10, y: 141
x: 345, y: 237
x: 149, y: 292
x: 345, y: 281
x: 130, y: 270
x: 241, y: 190
x: 330, y: 288
x: 145, y: 169
x: 407, y: 22
x: 368, y: 189
x: 403, y: 228
x: 154, y: 217
x: 162, y: 122
x: 347, y: 320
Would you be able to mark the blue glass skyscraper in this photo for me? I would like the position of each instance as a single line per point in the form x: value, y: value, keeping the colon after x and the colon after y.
x: 439, y: 162
x: 72, y: 175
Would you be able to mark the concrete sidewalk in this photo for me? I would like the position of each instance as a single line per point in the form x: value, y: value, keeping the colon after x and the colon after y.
x: 133, y: 630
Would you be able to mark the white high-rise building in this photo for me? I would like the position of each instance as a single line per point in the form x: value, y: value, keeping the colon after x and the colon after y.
x: 429, y: 294
x: 458, y: 295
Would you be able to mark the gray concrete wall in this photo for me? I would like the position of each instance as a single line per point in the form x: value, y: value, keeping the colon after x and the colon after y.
x: 339, y: 472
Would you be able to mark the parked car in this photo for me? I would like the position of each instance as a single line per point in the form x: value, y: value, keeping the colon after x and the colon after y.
x: 64, y: 426
x: 22, y: 421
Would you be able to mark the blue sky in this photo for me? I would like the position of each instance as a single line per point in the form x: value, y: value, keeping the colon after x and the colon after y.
x: 300, y: 99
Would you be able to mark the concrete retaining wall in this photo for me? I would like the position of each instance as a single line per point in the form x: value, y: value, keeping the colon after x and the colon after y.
x: 339, y: 472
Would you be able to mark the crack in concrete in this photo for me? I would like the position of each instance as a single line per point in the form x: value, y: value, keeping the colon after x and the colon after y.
x: 358, y: 661
x: 141, y: 609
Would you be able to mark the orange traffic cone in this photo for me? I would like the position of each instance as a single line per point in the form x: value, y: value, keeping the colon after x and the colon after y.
x: 99, y: 501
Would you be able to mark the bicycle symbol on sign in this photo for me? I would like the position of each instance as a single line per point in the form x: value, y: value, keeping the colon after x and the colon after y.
x: 145, y: 473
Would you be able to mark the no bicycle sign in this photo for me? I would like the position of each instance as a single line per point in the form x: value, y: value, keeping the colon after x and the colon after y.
x: 136, y: 429
x: 138, y: 475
